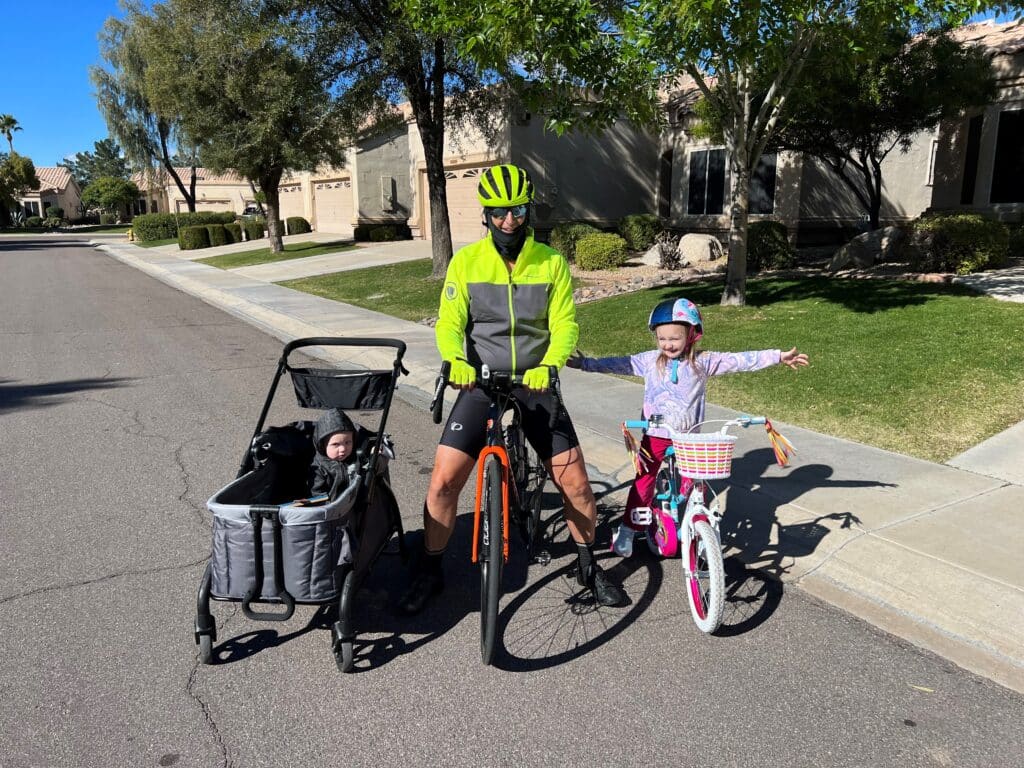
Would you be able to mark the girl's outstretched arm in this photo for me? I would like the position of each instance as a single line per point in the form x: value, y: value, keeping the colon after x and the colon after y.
x: 794, y: 359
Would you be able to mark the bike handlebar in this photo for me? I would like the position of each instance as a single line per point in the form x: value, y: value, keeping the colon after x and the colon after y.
x: 494, y: 381
x: 742, y: 420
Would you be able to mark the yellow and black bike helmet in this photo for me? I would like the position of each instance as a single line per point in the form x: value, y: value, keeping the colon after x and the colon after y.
x: 504, y: 185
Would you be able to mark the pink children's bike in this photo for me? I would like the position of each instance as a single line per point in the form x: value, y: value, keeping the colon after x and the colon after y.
x: 688, y: 524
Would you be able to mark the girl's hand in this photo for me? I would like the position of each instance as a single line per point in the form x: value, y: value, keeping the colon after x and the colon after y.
x: 575, y: 360
x: 794, y: 359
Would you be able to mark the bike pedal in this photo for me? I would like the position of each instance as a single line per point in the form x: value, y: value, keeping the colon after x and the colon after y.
x: 542, y: 558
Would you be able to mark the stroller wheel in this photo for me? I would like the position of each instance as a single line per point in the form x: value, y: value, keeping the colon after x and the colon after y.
x: 206, y: 649
x: 344, y: 655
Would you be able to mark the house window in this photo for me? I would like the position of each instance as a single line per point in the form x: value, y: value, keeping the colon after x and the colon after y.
x: 971, y: 160
x: 707, y: 182
x: 762, y: 185
x: 31, y: 208
x: 665, y: 184
x: 1008, y: 174
x: 932, y: 154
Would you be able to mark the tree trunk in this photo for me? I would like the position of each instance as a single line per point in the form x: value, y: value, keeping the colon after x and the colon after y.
x: 735, y: 292
x: 165, y: 158
x: 437, y: 192
x: 876, y: 195
x: 269, y: 183
x: 426, y: 93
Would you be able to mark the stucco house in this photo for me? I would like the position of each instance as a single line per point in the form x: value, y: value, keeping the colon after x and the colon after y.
x: 58, y: 189
x: 972, y: 163
x: 597, y: 178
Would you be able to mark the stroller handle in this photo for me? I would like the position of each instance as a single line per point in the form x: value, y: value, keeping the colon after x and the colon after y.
x: 335, y: 341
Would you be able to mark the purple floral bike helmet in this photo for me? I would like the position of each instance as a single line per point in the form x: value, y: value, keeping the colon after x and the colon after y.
x: 677, y: 311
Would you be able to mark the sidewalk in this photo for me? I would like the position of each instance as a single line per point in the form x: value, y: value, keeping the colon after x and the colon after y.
x: 892, y: 539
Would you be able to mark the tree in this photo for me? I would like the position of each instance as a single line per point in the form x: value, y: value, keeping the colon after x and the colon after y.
x: 110, y: 194
x: 380, y: 58
x: 8, y: 125
x: 17, y: 175
x: 745, y: 56
x: 106, y: 160
x: 121, y: 94
x: 865, y: 102
x: 251, y: 95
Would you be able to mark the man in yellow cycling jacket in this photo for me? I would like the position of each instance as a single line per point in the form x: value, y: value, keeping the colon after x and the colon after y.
x: 507, y: 303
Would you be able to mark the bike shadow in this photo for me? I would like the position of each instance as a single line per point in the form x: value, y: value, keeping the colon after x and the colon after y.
x: 752, y: 527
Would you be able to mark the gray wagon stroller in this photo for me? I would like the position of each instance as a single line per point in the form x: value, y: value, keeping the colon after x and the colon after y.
x: 271, y: 543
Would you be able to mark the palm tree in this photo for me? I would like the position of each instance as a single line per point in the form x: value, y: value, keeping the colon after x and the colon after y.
x: 8, y: 125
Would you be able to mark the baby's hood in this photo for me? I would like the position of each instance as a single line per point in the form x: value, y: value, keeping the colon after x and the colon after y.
x: 334, y: 420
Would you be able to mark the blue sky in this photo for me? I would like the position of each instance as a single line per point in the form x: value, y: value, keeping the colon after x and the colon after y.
x: 49, y: 93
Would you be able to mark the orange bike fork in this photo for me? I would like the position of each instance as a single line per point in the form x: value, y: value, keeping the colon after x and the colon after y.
x: 502, y: 454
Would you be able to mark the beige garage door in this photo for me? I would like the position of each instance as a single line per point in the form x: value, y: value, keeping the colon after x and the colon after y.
x: 290, y: 200
x: 205, y: 205
x: 463, y: 207
x: 333, y: 203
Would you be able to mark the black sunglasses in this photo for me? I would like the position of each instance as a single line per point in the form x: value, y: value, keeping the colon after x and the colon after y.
x: 500, y: 212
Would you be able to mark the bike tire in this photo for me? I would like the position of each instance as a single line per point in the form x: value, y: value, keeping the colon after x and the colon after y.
x: 704, y: 577
x: 492, y: 558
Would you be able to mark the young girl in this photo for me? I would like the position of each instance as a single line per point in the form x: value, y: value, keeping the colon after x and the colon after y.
x: 675, y: 375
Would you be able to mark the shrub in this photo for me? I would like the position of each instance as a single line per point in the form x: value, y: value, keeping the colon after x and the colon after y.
x: 768, y: 247
x: 54, y: 212
x: 565, y: 236
x: 668, y: 244
x: 961, y: 243
x: 217, y: 234
x: 154, y: 226
x: 253, y: 229
x: 192, y: 238
x: 639, y: 230
x: 297, y: 225
x: 234, y: 231
x: 52, y: 222
x: 1015, y: 244
x: 600, y: 250
x: 383, y: 233
x: 108, y: 218
x: 34, y: 221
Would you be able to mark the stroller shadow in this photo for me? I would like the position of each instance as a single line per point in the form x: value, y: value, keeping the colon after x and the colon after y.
x: 248, y: 644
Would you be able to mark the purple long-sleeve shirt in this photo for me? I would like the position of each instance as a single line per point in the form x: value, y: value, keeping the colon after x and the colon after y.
x: 681, y: 402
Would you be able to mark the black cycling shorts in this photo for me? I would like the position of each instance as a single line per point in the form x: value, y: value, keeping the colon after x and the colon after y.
x: 466, y: 428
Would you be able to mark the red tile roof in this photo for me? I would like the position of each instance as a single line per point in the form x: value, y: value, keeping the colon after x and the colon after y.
x: 203, y: 176
x: 55, y: 178
x: 1007, y: 37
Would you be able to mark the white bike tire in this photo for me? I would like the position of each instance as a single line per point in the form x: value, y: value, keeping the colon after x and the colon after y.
x: 705, y: 591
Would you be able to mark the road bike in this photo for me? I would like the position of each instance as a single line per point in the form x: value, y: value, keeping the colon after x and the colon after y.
x: 509, y: 490
x: 688, y: 523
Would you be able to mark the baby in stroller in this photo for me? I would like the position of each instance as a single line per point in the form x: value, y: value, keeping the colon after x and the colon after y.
x: 335, y: 464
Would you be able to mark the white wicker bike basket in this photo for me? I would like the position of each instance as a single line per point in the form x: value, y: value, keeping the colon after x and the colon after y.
x: 704, y: 457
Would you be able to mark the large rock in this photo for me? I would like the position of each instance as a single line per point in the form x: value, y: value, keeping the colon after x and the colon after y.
x: 652, y: 257
x: 868, y: 249
x: 697, y: 249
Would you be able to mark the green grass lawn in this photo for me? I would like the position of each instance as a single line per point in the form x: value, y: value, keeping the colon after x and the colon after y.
x: 922, y: 369
x: 402, y: 290
x: 266, y: 256
x: 155, y: 243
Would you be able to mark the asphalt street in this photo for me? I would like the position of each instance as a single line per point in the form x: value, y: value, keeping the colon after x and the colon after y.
x: 125, y: 404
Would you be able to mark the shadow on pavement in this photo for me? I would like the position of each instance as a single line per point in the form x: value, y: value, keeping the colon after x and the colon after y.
x: 14, y: 396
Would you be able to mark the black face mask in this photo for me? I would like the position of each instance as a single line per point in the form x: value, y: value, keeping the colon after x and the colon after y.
x: 508, y: 244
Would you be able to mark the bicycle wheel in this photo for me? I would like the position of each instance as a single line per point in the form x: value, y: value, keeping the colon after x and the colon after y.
x: 491, y: 557
x: 704, y: 577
